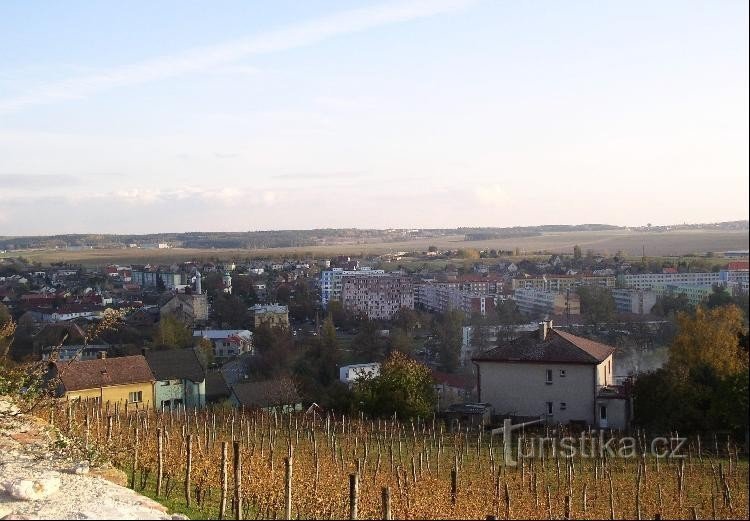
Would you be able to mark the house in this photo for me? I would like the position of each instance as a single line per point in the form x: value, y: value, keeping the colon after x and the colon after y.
x: 349, y: 373
x: 217, y: 389
x: 451, y: 389
x: 78, y: 352
x: 127, y: 380
x: 228, y: 343
x: 553, y: 374
x: 269, y: 395
x: 180, y: 378
x: 188, y: 308
x: 273, y: 315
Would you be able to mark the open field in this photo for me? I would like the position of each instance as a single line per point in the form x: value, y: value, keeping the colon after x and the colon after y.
x: 672, y: 243
x: 309, y: 466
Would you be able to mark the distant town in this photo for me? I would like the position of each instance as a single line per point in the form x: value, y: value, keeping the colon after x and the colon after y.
x: 248, y: 328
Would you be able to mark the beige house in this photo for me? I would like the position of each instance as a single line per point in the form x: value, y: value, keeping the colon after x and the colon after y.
x: 126, y: 379
x: 191, y: 309
x: 555, y: 375
x: 273, y: 315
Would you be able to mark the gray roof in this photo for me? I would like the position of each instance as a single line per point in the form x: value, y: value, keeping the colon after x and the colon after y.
x: 558, y: 347
x: 266, y: 393
x: 173, y: 364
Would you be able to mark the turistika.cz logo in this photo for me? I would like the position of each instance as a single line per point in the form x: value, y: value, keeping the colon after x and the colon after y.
x: 585, y: 446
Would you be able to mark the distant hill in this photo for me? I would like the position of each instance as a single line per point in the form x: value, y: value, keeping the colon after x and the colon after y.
x: 319, y: 237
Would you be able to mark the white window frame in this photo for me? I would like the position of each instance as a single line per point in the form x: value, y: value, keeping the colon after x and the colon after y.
x: 548, y: 377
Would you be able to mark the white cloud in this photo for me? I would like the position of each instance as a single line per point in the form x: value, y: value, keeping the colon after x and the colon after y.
x: 491, y: 195
x: 223, y: 55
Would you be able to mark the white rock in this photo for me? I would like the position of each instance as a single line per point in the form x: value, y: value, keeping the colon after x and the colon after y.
x: 30, y: 490
x: 81, y: 468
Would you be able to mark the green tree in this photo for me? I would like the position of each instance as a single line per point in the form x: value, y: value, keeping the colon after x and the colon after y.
x: 231, y: 312
x: 400, y: 340
x: 447, y: 329
x: 432, y: 249
x: 404, y: 387
x: 171, y: 333
x: 720, y: 297
x: 597, y: 304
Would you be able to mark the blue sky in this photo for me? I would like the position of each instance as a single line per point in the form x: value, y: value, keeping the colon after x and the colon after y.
x: 235, y: 115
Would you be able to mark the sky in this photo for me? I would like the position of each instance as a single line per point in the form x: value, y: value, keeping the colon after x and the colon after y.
x: 236, y: 115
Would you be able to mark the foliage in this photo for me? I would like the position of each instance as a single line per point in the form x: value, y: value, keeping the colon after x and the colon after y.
x: 704, y: 385
x: 7, y: 331
x: 231, y: 312
x: 447, y: 331
x: 404, y: 387
x: 206, y: 351
x: 708, y: 338
x: 597, y: 304
x: 171, y: 332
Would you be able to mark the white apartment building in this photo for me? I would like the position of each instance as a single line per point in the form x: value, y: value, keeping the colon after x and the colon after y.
x: 649, y: 280
x: 695, y: 294
x: 330, y: 282
x: 638, y: 301
x: 539, y: 301
x: 563, y: 283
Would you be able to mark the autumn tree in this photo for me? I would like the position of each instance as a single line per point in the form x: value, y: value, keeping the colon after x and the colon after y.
x: 404, y: 387
x: 710, y: 337
x: 171, y: 333
x: 704, y: 385
x: 7, y: 330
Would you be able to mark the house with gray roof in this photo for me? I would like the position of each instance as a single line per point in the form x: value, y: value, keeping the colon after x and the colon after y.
x: 180, y: 378
x: 556, y: 375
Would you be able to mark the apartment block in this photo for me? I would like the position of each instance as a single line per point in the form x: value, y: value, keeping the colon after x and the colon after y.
x: 377, y: 295
x: 638, y: 301
x: 331, y: 282
x: 538, y: 301
x: 563, y: 282
x: 695, y: 294
x: 446, y: 296
x: 650, y: 280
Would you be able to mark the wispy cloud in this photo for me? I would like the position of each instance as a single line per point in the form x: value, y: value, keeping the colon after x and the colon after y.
x: 205, y: 58
x: 299, y: 176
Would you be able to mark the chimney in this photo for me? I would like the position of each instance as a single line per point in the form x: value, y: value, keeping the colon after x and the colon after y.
x: 543, y: 330
x: 101, y: 355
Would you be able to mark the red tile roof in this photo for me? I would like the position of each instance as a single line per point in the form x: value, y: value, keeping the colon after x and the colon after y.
x: 105, y: 372
x: 558, y: 347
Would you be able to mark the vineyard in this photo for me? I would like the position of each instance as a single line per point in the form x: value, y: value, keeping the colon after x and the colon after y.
x: 223, y: 463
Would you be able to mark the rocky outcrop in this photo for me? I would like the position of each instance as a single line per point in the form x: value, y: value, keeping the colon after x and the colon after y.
x: 40, y: 480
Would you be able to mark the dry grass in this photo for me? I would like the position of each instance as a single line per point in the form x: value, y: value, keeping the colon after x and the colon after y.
x: 656, y: 244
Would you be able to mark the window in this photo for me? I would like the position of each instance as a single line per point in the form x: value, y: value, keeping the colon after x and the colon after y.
x: 563, y: 406
x: 135, y: 397
x: 562, y: 373
x: 549, y: 408
x: 549, y: 376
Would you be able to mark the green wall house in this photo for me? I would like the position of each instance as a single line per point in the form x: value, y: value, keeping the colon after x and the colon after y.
x: 180, y: 378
